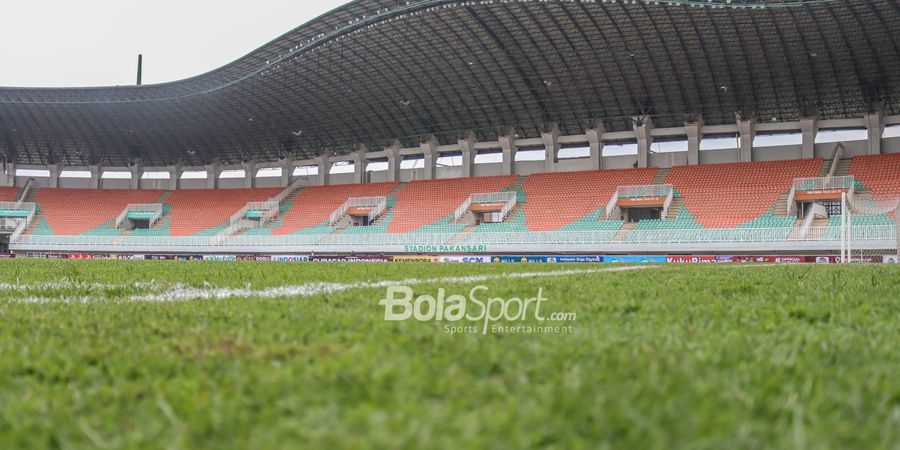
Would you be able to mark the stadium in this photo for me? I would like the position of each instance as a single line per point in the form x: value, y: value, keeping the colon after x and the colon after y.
x: 639, y: 132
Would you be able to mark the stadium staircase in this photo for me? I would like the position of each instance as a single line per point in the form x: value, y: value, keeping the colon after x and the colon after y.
x: 843, y: 167
x: 622, y: 235
x: 675, y: 207
x: 660, y: 177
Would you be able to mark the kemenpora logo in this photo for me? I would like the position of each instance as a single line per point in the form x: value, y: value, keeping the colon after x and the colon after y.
x: 476, y: 312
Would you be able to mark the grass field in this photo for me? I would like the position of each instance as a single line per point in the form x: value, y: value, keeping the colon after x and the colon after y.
x: 267, y: 355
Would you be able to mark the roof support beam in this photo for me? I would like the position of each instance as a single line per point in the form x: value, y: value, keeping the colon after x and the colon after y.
x: 55, y: 171
x: 643, y: 128
x: 595, y: 141
x: 8, y: 176
x: 694, y: 131
x: 324, y: 164
x: 746, y: 134
x: 875, y: 127
x: 467, y: 148
x: 393, y: 156
x: 360, y: 163
x: 96, y: 172
x: 809, y: 126
x: 508, y: 145
x: 551, y: 147
x: 287, y: 171
x: 174, y: 176
x: 249, y: 174
x: 212, y: 175
x: 429, y: 152
x: 137, y: 171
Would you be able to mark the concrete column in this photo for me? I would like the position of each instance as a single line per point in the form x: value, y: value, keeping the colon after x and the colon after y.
x: 249, y: 174
x: 875, y: 127
x: 595, y: 141
x: 55, y: 170
x: 174, y: 177
x: 508, y: 145
x: 8, y: 178
x: 467, y: 148
x: 359, y: 164
x: 393, y: 157
x: 96, y: 174
x: 642, y: 131
x: 324, y: 163
x: 746, y: 135
x: 212, y: 175
x: 551, y: 147
x: 287, y: 171
x: 809, y: 126
x: 694, y: 136
x: 429, y: 152
x: 137, y: 171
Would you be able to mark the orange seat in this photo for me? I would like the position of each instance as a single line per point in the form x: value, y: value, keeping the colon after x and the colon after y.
x: 314, y: 205
x: 8, y: 194
x: 196, y: 210
x: 75, y: 211
x: 422, y: 203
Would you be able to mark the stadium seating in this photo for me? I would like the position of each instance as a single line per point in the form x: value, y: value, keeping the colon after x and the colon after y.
x: 880, y: 174
x: 554, y: 200
x: 87, y: 211
x: 312, y: 208
x: 421, y: 203
x: 728, y: 195
x: 8, y: 194
x: 206, y: 210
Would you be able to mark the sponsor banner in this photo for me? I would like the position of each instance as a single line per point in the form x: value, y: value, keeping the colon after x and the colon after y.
x: 574, y: 259
x: 79, y: 256
x: 519, y: 259
x: 131, y: 257
x: 771, y: 259
x: 190, y: 257
x: 254, y: 258
x: 417, y: 258
x: 890, y: 259
x: 351, y: 258
x: 466, y: 259
x: 220, y: 258
x: 634, y: 259
x: 838, y: 260
x: 692, y: 259
x: 7, y: 256
x: 290, y: 258
x: 159, y: 257
x: 446, y: 248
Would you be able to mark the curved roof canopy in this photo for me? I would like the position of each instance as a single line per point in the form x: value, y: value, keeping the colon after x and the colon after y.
x: 378, y: 70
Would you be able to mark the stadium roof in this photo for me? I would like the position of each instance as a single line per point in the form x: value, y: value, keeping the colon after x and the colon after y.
x: 376, y: 70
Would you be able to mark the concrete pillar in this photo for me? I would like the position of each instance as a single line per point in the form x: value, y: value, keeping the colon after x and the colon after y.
x: 287, y: 171
x: 551, y: 147
x: 595, y: 141
x: 394, y: 159
x: 746, y: 135
x: 359, y: 164
x: 8, y: 177
x: 467, y: 148
x: 809, y: 126
x: 324, y: 163
x: 174, y: 177
x: 249, y: 174
x: 96, y: 174
x: 508, y: 145
x: 875, y: 127
x: 642, y: 131
x: 55, y: 170
x: 212, y: 175
x: 694, y: 131
x: 429, y: 152
x: 137, y: 171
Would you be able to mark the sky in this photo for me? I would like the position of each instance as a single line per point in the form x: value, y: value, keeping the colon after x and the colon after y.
x: 66, y: 43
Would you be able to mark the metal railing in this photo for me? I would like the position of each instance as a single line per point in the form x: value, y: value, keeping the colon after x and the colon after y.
x: 642, y: 191
x: 377, y: 204
x: 153, y: 208
x: 297, y: 184
x: 860, y: 234
x: 835, y: 159
x: 824, y: 183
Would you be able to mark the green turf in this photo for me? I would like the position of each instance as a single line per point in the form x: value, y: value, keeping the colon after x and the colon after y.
x: 711, y: 357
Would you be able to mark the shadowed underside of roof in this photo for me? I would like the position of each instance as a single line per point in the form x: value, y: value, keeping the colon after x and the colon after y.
x: 374, y: 71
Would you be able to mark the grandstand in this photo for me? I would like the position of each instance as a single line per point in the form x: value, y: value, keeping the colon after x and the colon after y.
x: 559, y: 146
